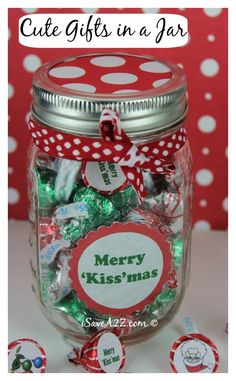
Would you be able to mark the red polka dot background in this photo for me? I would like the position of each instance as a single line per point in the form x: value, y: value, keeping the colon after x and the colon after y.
x: 204, y: 60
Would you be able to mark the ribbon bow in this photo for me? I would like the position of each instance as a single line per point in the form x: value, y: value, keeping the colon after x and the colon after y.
x: 115, y: 147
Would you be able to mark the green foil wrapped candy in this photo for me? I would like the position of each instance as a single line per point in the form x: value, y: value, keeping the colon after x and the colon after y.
x: 46, y: 188
x: 165, y: 297
x: 74, y: 307
x: 101, y: 211
x: 125, y: 199
x: 177, y: 251
x: 76, y: 229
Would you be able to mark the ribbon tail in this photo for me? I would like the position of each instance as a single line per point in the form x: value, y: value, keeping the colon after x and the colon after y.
x: 135, y: 177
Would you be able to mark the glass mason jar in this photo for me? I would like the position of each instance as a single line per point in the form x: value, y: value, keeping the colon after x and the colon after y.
x: 110, y: 190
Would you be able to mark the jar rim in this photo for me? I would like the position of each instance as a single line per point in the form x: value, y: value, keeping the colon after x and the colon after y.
x: 78, y: 112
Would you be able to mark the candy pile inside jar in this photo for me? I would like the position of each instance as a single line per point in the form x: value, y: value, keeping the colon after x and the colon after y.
x: 68, y: 210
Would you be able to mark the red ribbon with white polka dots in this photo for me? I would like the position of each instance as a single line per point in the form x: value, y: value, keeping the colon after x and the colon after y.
x: 115, y: 146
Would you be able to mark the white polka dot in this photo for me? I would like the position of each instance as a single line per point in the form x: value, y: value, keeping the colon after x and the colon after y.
x: 31, y: 62
x: 202, y: 225
x: 159, y: 169
x: 38, y: 133
x: 207, y: 123
x: 12, y: 144
x: 67, y: 72
x: 154, y: 67
x: 96, y: 145
x: 151, y: 10
x: 107, y: 151
x: 96, y: 155
x: 116, y: 158
x: 34, y: 135
x: 89, y: 10
x: 161, y: 143
x: 165, y: 153
x: 44, y: 132
x: 46, y: 141
x: 205, y: 151
x: 130, y: 176
x: 67, y: 145
x: 173, y: 137
x: 145, y: 149
x: 119, y: 78
x: 208, y: 96
x: 212, y: 12
x: 141, y: 188
x: 204, y: 177
x: 118, y: 147
x: 13, y: 196
x: 209, y: 67
x: 157, y: 162
x: 11, y: 91
x: 77, y: 141
x: 170, y: 145
x: 180, y: 138
x: 58, y: 148
x: 203, y: 203
x: 59, y: 137
x: 60, y: 154
x: 155, y: 151
x: 76, y: 152
x: 83, y: 87
x: 52, y: 140
x: 211, y: 37
x: 138, y: 181
x: 29, y: 10
x: 86, y: 148
x: 125, y: 91
x: 10, y: 170
x: 160, y: 82
x: 37, y: 142
x: 225, y: 204
x: 46, y: 148
x: 108, y: 61
x: 177, y: 146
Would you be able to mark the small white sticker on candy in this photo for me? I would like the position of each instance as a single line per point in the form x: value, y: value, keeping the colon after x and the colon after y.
x: 194, y: 353
x: 104, y: 176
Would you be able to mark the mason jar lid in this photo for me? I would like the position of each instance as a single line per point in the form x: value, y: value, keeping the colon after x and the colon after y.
x: 149, y: 95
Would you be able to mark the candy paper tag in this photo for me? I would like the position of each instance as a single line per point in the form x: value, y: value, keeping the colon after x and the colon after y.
x: 76, y: 209
x: 109, y: 352
x: 26, y: 356
x: 48, y: 253
x: 194, y: 353
x: 104, y: 176
x: 120, y: 268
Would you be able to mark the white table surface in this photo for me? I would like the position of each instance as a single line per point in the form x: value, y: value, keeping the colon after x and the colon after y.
x: 205, y: 301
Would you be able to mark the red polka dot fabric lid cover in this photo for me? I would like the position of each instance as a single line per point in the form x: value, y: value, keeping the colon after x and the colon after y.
x: 118, y: 74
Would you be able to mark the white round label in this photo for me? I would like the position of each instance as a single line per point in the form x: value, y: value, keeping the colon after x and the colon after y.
x: 194, y: 353
x: 109, y: 352
x: 26, y: 356
x: 104, y: 176
x: 118, y: 268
